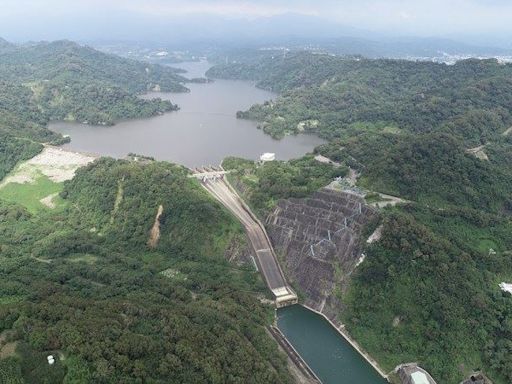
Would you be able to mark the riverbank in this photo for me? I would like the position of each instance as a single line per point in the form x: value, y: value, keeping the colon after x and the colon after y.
x: 300, y: 370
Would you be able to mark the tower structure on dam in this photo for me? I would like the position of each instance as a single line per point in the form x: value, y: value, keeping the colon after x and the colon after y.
x: 214, y: 182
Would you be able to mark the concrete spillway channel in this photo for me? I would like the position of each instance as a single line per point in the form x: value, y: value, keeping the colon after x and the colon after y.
x: 215, y: 183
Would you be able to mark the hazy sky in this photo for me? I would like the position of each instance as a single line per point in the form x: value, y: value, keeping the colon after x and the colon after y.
x: 83, y: 19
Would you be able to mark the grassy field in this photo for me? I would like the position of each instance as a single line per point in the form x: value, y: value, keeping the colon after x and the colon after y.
x: 42, y: 177
x: 29, y: 194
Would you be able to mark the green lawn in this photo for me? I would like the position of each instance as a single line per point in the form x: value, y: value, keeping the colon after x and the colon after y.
x: 30, y: 194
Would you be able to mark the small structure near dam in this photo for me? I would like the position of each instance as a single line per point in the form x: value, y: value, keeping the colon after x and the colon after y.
x: 413, y: 374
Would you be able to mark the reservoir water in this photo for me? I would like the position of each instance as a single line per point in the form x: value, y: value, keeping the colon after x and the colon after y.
x: 204, y: 131
x: 328, y: 354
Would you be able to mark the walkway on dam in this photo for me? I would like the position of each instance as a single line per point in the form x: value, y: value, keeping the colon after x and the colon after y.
x: 214, y: 182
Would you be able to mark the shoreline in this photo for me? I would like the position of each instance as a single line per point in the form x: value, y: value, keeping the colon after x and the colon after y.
x: 74, y: 151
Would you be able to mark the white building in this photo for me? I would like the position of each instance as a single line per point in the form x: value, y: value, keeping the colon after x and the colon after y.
x: 268, y: 157
x: 506, y: 287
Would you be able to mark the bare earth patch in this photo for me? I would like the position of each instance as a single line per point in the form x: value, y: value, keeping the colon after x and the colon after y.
x: 376, y: 235
x: 172, y: 273
x: 9, y: 349
x: 55, y: 163
x: 154, y: 235
x: 48, y: 200
x: 478, y: 152
x: 388, y: 200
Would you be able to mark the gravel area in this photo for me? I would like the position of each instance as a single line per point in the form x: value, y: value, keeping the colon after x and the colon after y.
x: 55, y: 163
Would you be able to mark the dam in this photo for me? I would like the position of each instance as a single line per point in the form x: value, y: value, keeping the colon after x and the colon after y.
x: 213, y: 180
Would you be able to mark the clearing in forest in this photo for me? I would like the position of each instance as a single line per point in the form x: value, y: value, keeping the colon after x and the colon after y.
x: 36, y: 183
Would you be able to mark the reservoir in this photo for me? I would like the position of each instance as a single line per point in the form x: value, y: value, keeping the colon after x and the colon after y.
x: 204, y: 131
x: 327, y: 353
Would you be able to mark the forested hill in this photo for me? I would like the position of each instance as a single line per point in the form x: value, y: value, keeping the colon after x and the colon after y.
x: 82, y: 283
x: 336, y: 96
x: 4, y: 44
x: 63, y: 61
x: 63, y: 80
x: 432, y: 169
x: 436, y: 136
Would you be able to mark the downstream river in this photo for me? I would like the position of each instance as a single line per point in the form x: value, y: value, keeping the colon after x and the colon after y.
x: 327, y: 353
x: 204, y: 131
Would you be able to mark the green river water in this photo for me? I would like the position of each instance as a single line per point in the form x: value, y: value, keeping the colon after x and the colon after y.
x: 328, y: 354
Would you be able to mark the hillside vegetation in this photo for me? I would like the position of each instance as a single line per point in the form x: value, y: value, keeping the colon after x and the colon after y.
x: 433, y: 169
x: 435, y: 136
x: 263, y: 185
x: 65, y: 81
x: 13, y: 150
x: 82, y: 284
x: 428, y: 292
x: 338, y: 97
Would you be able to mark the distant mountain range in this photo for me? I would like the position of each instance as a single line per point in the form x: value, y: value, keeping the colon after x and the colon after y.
x: 408, y: 47
x: 4, y: 44
x: 202, y: 33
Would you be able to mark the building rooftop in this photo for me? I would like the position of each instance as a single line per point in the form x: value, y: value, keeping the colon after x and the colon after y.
x: 412, y: 374
x: 506, y: 287
x: 419, y: 378
x: 268, y: 157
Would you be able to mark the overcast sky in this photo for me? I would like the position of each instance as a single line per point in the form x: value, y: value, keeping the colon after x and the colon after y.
x: 90, y: 19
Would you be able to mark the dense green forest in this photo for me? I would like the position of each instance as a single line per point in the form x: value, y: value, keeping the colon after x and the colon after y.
x: 116, y: 300
x: 65, y: 81
x: 13, y: 150
x: 262, y: 185
x: 66, y: 61
x: 433, y: 169
x: 81, y: 283
x: 428, y: 291
x: 338, y: 97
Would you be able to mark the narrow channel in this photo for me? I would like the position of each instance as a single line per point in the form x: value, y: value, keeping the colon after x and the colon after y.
x: 326, y: 352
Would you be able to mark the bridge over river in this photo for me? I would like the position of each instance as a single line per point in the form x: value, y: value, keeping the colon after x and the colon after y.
x: 214, y: 181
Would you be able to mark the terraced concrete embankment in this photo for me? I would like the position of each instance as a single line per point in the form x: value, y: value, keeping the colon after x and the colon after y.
x: 320, y: 240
